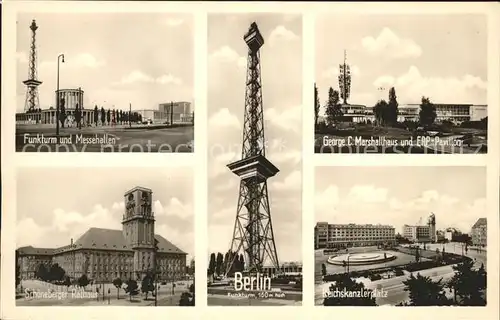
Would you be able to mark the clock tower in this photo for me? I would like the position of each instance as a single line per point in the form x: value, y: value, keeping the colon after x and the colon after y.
x: 139, y: 229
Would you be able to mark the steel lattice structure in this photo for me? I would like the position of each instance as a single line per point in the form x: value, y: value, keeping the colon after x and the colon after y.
x: 345, y: 80
x: 253, y: 231
x: 32, y: 101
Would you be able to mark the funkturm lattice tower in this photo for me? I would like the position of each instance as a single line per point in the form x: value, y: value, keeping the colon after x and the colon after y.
x: 345, y: 79
x: 32, y: 101
x: 253, y: 231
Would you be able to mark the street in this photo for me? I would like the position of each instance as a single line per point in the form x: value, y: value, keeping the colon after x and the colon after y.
x: 110, y: 297
x: 395, y: 287
x: 137, y: 139
x: 220, y: 300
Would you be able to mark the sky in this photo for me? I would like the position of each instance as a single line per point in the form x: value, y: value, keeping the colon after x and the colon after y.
x: 110, y: 58
x: 281, y: 67
x: 93, y: 197
x: 443, y: 57
x: 401, y: 195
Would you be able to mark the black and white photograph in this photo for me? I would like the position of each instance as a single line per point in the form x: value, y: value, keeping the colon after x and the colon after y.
x: 127, y: 240
x: 401, y: 84
x: 254, y: 160
x: 418, y: 241
x: 96, y: 82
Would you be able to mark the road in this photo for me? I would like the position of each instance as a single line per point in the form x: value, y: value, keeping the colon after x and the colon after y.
x: 220, y: 300
x: 395, y: 287
x: 165, y: 296
x: 121, y: 139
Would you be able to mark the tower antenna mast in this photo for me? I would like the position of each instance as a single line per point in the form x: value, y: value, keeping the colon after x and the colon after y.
x: 32, y: 102
x: 253, y: 231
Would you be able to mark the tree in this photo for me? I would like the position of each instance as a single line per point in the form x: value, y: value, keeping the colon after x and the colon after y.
x: 423, y: 291
x: 78, y: 116
x: 18, y: 269
x: 226, y: 261
x: 392, y: 107
x: 469, y: 285
x: 62, y: 112
x: 83, y: 281
x: 316, y: 105
x: 211, y: 264
x: 147, y: 284
x: 132, y: 288
x: 380, y: 111
x: 108, y: 117
x: 118, y: 284
x: 242, y: 262
x: 67, y: 281
x: 427, y: 113
x: 41, y: 272
x: 103, y: 116
x: 96, y: 115
x: 218, y: 263
x: 333, y: 108
x: 188, y: 298
x: 323, y: 269
x: 345, y: 285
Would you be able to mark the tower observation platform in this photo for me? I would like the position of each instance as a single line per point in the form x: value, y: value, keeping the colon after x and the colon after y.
x: 253, y: 235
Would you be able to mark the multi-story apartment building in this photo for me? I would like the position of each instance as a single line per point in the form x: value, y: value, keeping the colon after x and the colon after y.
x: 352, y: 235
x: 479, y: 234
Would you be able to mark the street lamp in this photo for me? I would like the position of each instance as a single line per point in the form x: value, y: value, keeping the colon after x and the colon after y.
x: 60, y: 58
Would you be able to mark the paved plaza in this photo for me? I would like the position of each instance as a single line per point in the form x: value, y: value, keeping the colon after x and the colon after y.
x: 394, y: 286
x: 139, y: 138
x: 165, y: 295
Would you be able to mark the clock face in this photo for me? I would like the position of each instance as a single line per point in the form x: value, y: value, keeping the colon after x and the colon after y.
x: 144, y: 195
x: 130, y: 197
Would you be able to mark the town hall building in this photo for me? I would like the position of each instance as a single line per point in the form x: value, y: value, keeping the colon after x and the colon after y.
x: 105, y: 254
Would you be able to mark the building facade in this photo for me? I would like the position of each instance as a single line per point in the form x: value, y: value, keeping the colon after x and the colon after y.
x: 456, y: 113
x: 70, y: 98
x: 287, y: 268
x: 479, y: 234
x: 421, y: 233
x: 182, y: 112
x: 352, y: 235
x: 104, y: 254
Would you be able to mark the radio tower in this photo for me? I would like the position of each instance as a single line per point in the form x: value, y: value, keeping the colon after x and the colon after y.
x: 253, y: 231
x: 345, y: 79
x: 32, y: 102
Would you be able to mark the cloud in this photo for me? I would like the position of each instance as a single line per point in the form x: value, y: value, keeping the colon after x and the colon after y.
x: 333, y: 72
x: 287, y: 119
x: 390, y: 45
x: 64, y: 225
x: 174, y: 208
x: 228, y: 55
x: 224, y: 118
x: 281, y: 33
x: 293, y: 156
x: 365, y: 204
x: 413, y: 85
x: 291, y: 182
x: 22, y: 57
x: 80, y: 61
x: 368, y: 193
x: 137, y: 76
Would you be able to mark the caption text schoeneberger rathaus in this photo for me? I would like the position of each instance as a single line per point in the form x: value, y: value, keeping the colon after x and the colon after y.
x: 105, y: 254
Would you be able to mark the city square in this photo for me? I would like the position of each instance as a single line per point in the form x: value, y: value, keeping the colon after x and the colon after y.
x: 431, y: 249
x: 139, y: 138
x: 78, y: 101
x: 104, y: 294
